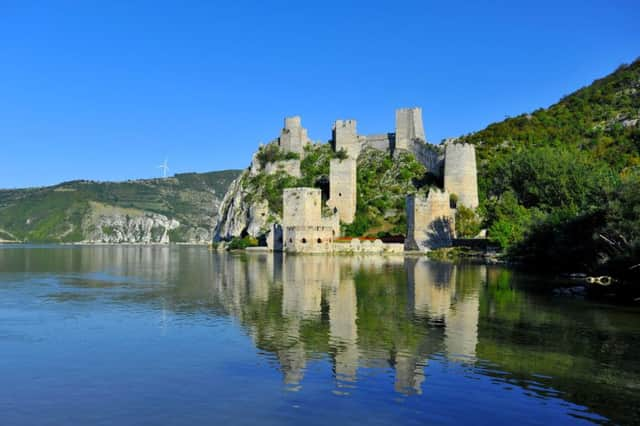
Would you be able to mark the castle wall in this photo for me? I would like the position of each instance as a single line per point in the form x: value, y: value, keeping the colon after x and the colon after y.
x: 409, y: 127
x: 345, y: 136
x: 293, y: 137
x: 342, y: 188
x: 291, y: 167
x: 460, y: 175
x: 381, y: 142
x: 427, y: 155
x: 430, y: 221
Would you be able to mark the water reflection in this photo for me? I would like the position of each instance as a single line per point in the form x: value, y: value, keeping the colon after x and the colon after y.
x: 404, y: 317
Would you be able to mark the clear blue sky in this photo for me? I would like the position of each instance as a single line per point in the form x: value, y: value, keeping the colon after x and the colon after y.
x: 106, y: 90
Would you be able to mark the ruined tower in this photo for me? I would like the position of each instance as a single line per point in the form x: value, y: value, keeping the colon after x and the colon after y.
x: 409, y: 127
x: 342, y: 188
x: 304, y: 229
x: 293, y: 137
x: 345, y: 136
x: 430, y: 221
x: 460, y: 176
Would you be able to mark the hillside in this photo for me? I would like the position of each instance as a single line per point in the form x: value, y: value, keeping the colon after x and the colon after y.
x: 177, y: 209
x: 563, y: 182
x: 602, y: 119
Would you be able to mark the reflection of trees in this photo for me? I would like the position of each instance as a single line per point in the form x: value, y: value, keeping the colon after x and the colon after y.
x: 569, y: 346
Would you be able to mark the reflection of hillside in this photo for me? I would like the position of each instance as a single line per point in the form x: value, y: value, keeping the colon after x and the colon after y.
x: 568, y: 346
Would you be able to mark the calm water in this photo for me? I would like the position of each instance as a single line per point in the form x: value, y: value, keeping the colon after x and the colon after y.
x: 159, y: 335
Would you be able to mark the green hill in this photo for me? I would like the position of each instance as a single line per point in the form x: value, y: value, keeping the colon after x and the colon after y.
x: 563, y: 183
x: 68, y: 212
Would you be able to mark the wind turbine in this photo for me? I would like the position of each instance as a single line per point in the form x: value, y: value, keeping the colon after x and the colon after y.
x: 164, y: 166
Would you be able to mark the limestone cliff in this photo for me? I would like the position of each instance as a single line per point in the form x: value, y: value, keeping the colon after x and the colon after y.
x: 241, y: 213
x: 109, y: 224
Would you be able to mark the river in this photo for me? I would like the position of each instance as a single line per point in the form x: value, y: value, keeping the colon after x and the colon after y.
x: 132, y: 335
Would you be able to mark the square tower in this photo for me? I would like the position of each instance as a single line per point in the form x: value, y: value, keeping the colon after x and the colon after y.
x: 409, y: 127
x: 302, y: 207
x: 345, y: 136
x: 293, y: 136
x: 342, y: 188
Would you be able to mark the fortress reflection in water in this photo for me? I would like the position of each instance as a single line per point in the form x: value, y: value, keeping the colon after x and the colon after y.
x: 305, y: 307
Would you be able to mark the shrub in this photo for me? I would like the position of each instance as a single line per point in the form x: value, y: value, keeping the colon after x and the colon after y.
x: 467, y: 222
x: 242, y: 243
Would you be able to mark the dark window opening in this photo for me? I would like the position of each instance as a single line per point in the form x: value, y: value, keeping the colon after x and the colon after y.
x: 319, y: 240
x: 304, y: 241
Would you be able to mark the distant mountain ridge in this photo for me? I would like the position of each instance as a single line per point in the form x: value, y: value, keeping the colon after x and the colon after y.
x: 180, y: 208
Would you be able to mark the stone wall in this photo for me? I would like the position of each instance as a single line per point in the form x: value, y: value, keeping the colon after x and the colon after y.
x: 430, y: 221
x: 342, y: 188
x: 345, y: 136
x: 308, y: 239
x: 293, y: 137
x: 291, y: 167
x: 427, y: 155
x: 409, y: 127
x: 460, y: 176
x: 355, y: 246
x: 381, y: 142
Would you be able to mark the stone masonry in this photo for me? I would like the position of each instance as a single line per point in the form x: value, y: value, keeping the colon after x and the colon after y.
x: 430, y: 221
x: 293, y: 137
x: 409, y: 127
x: 345, y: 136
x: 342, y: 188
x: 460, y: 176
x: 304, y: 230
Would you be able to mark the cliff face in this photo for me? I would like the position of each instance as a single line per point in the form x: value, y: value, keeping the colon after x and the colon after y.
x: 108, y: 224
x: 241, y: 213
x: 181, y: 208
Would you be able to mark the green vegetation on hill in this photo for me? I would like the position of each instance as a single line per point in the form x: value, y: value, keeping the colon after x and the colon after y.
x: 383, y: 184
x: 314, y: 170
x: 56, y: 214
x: 561, y: 185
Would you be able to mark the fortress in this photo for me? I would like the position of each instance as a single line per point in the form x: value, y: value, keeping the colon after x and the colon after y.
x: 430, y: 218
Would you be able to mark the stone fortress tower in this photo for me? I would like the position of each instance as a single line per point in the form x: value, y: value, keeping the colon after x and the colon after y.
x: 342, y: 187
x: 345, y: 136
x: 293, y: 137
x: 409, y: 127
x: 304, y: 228
x: 430, y: 221
x: 460, y: 175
